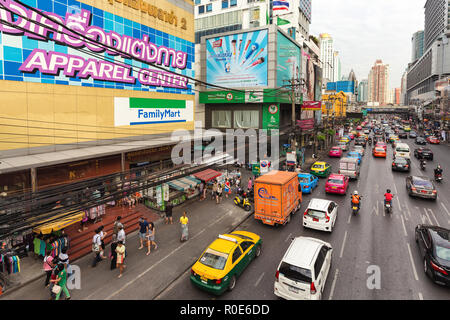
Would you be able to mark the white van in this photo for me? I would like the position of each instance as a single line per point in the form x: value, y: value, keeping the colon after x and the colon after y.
x: 303, y: 271
x: 349, y: 167
x: 402, y: 150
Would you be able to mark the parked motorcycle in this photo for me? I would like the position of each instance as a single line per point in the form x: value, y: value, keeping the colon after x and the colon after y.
x: 243, y: 202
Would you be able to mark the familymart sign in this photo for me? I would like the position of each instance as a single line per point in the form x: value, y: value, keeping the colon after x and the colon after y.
x: 139, y: 111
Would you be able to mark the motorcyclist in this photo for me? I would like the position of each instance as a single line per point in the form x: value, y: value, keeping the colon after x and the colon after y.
x: 370, y: 141
x: 356, y: 199
x: 388, y: 197
x: 438, y: 170
x: 422, y: 163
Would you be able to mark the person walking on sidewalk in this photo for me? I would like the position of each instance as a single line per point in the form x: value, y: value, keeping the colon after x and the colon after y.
x: 64, y: 259
x: 151, y: 237
x: 61, y: 280
x: 113, y: 254
x: 214, y: 191
x: 143, y: 231
x: 184, y: 227
x: 121, y: 235
x: 249, y: 184
x: 96, y: 247
x: 168, y: 217
x: 117, y: 224
x: 102, y: 239
x: 227, y: 188
x: 48, y: 267
x: 219, y: 193
x: 200, y: 188
x: 120, y: 251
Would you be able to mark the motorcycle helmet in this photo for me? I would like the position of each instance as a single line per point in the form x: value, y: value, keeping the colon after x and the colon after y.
x: 355, y: 192
x: 388, y: 191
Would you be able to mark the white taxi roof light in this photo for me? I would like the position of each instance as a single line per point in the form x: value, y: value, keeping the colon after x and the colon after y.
x: 221, y: 236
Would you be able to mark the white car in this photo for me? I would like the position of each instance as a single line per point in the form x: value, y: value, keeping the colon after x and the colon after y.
x: 359, y: 149
x: 303, y: 271
x: 321, y: 214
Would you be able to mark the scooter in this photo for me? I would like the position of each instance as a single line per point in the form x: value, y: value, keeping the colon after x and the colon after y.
x: 438, y: 177
x: 355, y: 209
x: 388, y: 207
x: 243, y: 202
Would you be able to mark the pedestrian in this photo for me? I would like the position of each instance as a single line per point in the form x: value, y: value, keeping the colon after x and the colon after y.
x: 143, y: 231
x: 117, y: 224
x: 48, y: 267
x: 83, y: 222
x: 120, y: 251
x: 151, y: 237
x: 61, y: 280
x: 168, y: 213
x: 200, y: 188
x: 227, y: 188
x: 219, y: 193
x: 214, y: 190
x: 113, y: 255
x: 204, y: 191
x: 250, y: 184
x: 184, y: 227
x: 102, y: 239
x: 53, y: 276
x: 96, y: 247
x: 64, y: 259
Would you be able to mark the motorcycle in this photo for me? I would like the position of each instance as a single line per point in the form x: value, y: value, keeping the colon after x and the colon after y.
x: 422, y: 164
x: 388, y: 207
x: 355, y: 207
x: 438, y: 177
x: 243, y: 202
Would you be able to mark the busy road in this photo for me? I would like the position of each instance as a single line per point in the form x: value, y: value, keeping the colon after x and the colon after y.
x: 370, y: 243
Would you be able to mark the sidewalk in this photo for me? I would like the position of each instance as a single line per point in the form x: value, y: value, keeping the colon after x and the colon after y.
x: 159, y: 269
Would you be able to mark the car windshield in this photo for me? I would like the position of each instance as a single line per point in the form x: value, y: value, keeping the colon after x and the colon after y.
x: 400, y: 160
x: 316, y: 214
x: 379, y: 150
x: 295, y: 273
x: 336, y: 181
x: 402, y: 149
x: 214, y: 259
x: 317, y: 166
x: 443, y: 253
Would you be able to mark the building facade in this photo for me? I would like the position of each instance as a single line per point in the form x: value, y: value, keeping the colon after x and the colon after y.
x: 418, y: 45
x: 327, y: 56
x: 363, y: 90
x: 337, y: 71
x: 87, y: 96
x: 379, y: 83
x: 436, y: 20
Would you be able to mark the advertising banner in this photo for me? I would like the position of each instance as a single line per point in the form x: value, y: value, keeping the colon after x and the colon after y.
x: 138, y: 111
x: 288, y: 60
x: 309, y: 77
x: 312, y: 105
x: 271, y: 116
x: 238, y: 60
x: 83, y: 50
x: 306, y: 124
x: 222, y: 97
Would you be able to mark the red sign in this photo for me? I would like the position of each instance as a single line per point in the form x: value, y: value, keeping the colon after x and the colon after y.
x: 312, y: 105
x: 306, y: 124
x: 217, y: 44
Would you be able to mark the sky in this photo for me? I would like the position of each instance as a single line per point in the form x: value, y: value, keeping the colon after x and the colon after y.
x: 366, y: 30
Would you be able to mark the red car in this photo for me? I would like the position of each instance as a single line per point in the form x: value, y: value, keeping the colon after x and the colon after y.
x: 433, y: 140
x: 381, y: 145
x: 335, y: 152
x: 336, y: 183
x: 358, y: 128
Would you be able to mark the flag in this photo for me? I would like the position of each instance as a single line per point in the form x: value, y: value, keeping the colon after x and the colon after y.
x: 280, y: 5
x: 281, y: 21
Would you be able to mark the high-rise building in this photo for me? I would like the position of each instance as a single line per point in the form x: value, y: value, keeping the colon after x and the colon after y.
x: 327, y: 57
x: 379, y: 83
x: 417, y: 42
x: 397, y: 96
x: 403, y: 89
x: 437, y: 19
x: 336, y: 66
x: 363, y: 91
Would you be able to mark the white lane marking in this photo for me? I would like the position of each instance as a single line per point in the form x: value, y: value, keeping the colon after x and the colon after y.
x: 432, y: 214
x: 395, y: 189
x: 420, y: 296
x: 259, y: 279
x: 377, y: 208
x: 333, y: 284
x: 349, y: 218
x: 403, y: 223
x: 426, y: 213
x: 399, y: 205
x: 446, y: 210
x: 289, y: 236
x: 153, y: 266
x: 407, y: 210
x: 412, y: 262
x: 343, y: 245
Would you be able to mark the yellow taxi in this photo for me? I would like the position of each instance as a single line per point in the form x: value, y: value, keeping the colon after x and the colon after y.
x: 394, y: 138
x: 224, y: 260
x: 320, y: 169
x: 345, y: 139
x: 407, y: 128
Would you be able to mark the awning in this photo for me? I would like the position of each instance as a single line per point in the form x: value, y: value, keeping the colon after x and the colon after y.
x: 59, y: 224
x: 207, y: 175
x: 184, y: 183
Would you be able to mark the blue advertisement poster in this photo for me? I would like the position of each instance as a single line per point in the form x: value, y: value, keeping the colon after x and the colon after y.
x: 288, y: 60
x: 238, y: 60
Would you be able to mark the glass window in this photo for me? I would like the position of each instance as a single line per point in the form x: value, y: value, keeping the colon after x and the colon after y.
x: 443, y: 253
x: 198, y: 1
x: 237, y: 253
x: 209, y: 7
x: 201, y: 9
x: 295, y: 273
x: 233, y: 3
x: 245, y: 245
x: 224, y: 4
x: 316, y: 214
x: 246, y: 119
x: 221, y: 119
x: 318, y: 264
x: 214, y: 259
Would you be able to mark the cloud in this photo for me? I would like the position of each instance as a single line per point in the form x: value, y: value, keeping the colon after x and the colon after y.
x: 366, y: 30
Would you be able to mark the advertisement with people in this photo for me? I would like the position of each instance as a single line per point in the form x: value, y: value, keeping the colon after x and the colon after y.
x: 238, y: 60
x: 288, y: 60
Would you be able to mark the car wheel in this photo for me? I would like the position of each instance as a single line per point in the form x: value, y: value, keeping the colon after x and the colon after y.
x: 415, y: 237
x: 425, y: 266
x: 232, y: 283
x: 258, y: 251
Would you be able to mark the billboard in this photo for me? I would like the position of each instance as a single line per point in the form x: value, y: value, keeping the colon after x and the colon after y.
x: 238, y: 60
x: 288, y: 60
x: 125, y: 54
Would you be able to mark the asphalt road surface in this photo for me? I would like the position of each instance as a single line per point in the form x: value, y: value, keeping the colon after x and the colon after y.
x: 370, y: 241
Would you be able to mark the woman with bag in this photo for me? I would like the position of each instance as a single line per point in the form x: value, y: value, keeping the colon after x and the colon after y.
x: 151, y: 237
x: 120, y: 250
x: 48, y: 268
x: 60, y: 283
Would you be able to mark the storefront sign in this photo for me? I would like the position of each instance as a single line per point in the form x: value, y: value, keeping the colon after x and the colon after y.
x: 154, y: 11
x: 52, y: 54
x: 237, y: 61
x: 312, y: 105
x: 138, y: 111
x: 264, y: 166
x: 246, y: 96
x: 222, y: 97
x: 271, y: 116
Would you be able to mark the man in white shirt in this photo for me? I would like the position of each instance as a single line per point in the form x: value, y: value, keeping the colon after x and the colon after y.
x: 97, y: 247
x: 121, y: 235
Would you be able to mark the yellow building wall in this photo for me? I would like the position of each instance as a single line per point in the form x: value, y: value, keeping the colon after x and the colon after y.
x: 37, y: 115
x: 339, y: 107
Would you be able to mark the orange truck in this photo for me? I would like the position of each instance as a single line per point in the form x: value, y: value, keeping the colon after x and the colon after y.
x: 277, y: 196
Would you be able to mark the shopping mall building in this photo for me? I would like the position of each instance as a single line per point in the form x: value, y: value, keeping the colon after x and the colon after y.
x: 91, y: 87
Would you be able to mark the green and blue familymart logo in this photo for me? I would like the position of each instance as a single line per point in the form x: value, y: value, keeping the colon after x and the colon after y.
x: 139, y: 111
